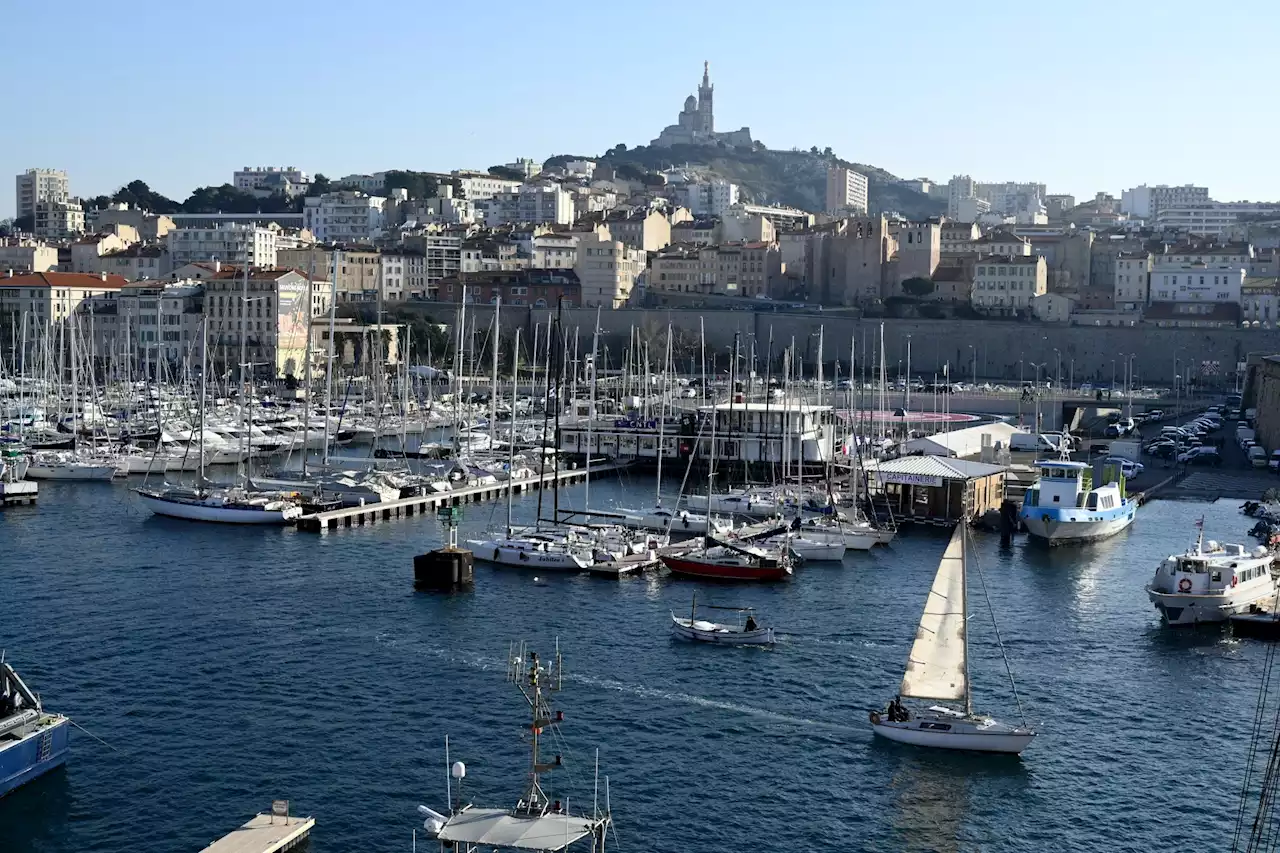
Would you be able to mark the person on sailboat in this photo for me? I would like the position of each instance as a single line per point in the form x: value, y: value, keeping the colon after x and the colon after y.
x: 897, y: 712
x: 751, y: 623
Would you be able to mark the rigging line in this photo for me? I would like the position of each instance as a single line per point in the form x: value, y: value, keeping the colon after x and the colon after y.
x: 92, y: 735
x: 1252, y: 753
x: 1000, y: 642
x: 1259, y: 827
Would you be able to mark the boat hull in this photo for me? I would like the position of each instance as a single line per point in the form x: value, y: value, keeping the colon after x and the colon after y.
x: 551, y: 560
x: 70, y: 472
x: 682, y: 629
x: 717, y: 571
x: 197, y: 511
x: 1177, y: 609
x: 34, y: 755
x: 1054, y: 532
x: 959, y: 734
x: 816, y: 551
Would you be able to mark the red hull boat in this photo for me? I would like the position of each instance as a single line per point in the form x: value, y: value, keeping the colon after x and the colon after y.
x: 726, y: 568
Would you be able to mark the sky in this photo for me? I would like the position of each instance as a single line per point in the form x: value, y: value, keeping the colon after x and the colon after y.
x: 1084, y: 96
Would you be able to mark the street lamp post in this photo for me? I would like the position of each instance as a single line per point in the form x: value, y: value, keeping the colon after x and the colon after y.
x: 1057, y: 357
x: 1038, y: 367
x: 973, y: 358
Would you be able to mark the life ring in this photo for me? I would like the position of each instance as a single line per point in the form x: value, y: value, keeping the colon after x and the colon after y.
x: 875, y: 718
x: 1184, y: 585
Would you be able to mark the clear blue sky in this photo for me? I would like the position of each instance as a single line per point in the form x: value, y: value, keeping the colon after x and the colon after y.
x: 1084, y: 96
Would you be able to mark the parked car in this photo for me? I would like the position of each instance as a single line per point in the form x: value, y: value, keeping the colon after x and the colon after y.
x: 1274, y: 463
x: 1257, y: 457
x: 1127, y: 466
x: 1200, y: 456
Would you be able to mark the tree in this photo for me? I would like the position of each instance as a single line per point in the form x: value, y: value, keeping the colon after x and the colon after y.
x: 98, y: 202
x: 24, y: 224
x: 826, y: 152
x: 918, y: 287
x: 506, y: 173
x: 138, y: 195
x: 319, y: 185
x: 419, y: 184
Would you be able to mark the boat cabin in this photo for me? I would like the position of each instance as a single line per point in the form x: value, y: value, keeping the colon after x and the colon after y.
x: 1070, y: 485
x: 1214, y: 570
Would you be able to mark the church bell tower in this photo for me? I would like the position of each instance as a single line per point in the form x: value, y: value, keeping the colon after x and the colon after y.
x: 707, y: 122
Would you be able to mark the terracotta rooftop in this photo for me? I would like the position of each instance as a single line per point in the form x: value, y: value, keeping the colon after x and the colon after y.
x: 65, y: 279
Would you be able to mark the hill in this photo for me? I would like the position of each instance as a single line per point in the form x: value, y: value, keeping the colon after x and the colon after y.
x: 790, y: 178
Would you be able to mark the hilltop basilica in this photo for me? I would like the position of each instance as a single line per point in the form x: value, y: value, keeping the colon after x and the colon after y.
x: 696, y: 124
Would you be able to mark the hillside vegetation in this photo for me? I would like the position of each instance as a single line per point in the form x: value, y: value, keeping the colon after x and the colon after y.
x: 790, y: 178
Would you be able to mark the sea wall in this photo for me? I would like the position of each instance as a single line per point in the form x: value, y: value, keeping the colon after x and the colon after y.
x: 994, y: 348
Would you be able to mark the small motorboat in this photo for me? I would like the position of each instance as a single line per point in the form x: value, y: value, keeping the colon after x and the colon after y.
x: 747, y: 632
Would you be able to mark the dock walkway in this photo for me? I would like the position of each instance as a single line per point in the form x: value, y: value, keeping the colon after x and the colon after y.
x: 404, y: 507
x: 264, y: 834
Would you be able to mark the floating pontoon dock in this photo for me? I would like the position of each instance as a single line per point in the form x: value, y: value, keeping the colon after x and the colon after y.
x: 265, y: 833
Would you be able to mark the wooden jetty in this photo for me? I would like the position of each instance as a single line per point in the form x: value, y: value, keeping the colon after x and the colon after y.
x: 405, y: 507
x: 265, y: 833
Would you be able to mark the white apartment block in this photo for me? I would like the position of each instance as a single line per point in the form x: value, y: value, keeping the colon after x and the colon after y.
x: 22, y: 255
x: 36, y: 185
x: 607, y: 269
x: 585, y: 168
x: 555, y: 251
x: 1145, y: 202
x: 1132, y: 280
x: 344, y: 217
x: 49, y: 297
x: 58, y: 220
x: 369, y: 184
x: 478, y: 187
x: 959, y: 188
x: 264, y: 180
x: 1005, y: 285
x: 1173, y: 280
x: 846, y: 191
x: 1010, y: 197
x: 531, y: 205
x: 273, y: 323
x: 228, y: 243
x: 414, y: 271
x: 1209, y: 219
x: 710, y: 198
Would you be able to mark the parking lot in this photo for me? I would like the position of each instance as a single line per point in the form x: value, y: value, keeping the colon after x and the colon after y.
x: 1234, y: 478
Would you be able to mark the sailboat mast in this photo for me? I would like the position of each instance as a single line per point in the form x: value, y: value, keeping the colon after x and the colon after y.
x: 964, y: 586
x: 511, y: 440
x: 591, y: 414
x: 662, y: 411
x: 204, y: 371
x: 329, y: 365
x: 493, y: 387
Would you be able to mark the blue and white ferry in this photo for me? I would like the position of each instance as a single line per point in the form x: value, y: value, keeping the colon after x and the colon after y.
x: 1065, y: 507
x: 32, y: 742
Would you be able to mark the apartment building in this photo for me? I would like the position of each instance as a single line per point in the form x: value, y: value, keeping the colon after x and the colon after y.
x: 40, y: 300
x: 1173, y: 280
x: 86, y: 253
x: 265, y: 180
x: 58, y: 220
x: 554, y: 250
x: 346, y: 216
x: 846, y: 191
x: 478, y: 186
x: 958, y: 237
x: 643, y: 229
x: 1132, y: 280
x: 1146, y: 202
x: 136, y: 263
x: 36, y: 185
x: 532, y: 287
x: 532, y: 205
x: 710, y: 198
x: 607, y: 269
x: 1209, y: 219
x: 148, y: 323
x: 24, y: 255
x: 272, y: 323
x: 151, y: 227
x: 1002, y: 243
x: 229, y: 243
x: 353, y: 271
x: 1006, y: 285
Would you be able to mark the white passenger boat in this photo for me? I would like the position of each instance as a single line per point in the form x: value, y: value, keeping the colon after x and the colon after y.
x: 1210, y: 583
x: 938, y: 669
x: 744, y: 632
x: 1065, y: 507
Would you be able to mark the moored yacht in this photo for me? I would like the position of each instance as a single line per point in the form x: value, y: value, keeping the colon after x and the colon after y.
x: 32, y: 741
x: 1211, y: 582
x: 1065, y: 507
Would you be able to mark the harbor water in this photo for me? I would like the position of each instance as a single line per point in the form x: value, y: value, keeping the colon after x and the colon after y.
x: 228, y: 666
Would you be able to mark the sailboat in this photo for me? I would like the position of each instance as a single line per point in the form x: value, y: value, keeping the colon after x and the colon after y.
x: 938, y: 669
x: 230, y: 506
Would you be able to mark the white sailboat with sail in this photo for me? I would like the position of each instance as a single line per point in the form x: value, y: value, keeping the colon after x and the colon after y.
x: 938, y: 669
